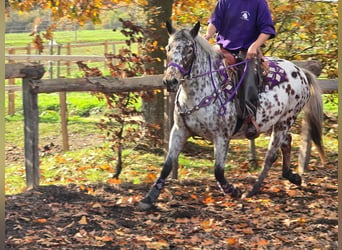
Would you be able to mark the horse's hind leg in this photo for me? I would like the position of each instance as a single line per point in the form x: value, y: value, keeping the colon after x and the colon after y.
x: 287, y: 172
x: 270, y: 158
x: 177, y: 139
x: 221, y: 149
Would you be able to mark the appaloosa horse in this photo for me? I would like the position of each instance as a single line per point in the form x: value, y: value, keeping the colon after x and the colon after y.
x: 206, y: 106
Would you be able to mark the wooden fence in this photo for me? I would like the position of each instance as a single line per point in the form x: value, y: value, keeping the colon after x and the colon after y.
x: 29, y: 54
x: 32, y: 85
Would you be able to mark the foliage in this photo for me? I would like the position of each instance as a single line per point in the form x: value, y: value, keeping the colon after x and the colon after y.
x: 123, y: 124
x: 305, y: 29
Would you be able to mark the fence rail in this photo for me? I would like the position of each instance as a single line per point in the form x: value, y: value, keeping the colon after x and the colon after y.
x: 55, y: 58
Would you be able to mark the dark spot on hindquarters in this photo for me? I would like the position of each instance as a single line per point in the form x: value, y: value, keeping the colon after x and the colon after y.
x: 292, y: 92
x: 276, y: 98
x: 297, y: 97
x: 278, y: 112
x: 294, y: 74
x: 289, y: 89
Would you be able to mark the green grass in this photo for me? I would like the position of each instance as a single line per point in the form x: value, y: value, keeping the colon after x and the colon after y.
x: 97, y: 163
x: 63, y: 37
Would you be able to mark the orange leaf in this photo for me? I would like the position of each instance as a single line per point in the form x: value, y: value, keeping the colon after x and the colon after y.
x: 107, y: 238
x: 262, y: 242
x: 208, y: 200
x: 193, y: 196
x: 150, y: 178
x: 231, y: 241
x: 41, y: 220
x: 182, y: 220
x: 114, y: 181
x: 291, y: 193
x: 83, y: 168
x: 247, y: 231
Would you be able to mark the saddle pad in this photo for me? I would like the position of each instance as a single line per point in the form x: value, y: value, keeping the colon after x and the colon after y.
x: 276, y: 74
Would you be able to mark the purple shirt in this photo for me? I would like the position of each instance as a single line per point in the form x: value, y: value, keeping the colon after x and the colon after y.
x: 240, y: 22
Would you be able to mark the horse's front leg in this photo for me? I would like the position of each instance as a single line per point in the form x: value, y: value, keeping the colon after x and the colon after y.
x: 221, y: 149
x: 178, y: 137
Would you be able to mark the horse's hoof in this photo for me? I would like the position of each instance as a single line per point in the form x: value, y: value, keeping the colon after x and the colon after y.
x: 144, y: 206
x: 254, y: 191
x: 250, y: 194
x: 236, y: 193
x: 296, y: 179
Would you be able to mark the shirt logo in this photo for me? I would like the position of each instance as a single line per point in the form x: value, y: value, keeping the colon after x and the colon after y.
x: 245, y: 15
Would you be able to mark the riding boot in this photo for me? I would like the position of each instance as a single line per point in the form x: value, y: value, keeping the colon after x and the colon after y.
x: 251, y: 100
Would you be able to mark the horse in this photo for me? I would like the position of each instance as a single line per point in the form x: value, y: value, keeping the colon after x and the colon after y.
x: 205, y: 106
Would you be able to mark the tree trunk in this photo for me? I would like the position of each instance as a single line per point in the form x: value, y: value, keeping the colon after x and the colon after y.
x: 158, y: 12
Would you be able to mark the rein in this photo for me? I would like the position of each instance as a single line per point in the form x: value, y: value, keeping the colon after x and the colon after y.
x: 217, y: 94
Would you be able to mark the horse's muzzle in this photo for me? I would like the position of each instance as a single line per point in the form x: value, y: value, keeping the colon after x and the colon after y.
x: 171, y: 85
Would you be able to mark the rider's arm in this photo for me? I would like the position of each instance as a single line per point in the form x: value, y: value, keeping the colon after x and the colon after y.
x: 252, y: 50
x: 211, y: 30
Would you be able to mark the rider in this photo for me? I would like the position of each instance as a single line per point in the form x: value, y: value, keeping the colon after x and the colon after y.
x: 242, y: 26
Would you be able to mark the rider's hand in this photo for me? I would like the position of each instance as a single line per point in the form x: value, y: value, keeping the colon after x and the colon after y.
x: 252, y: 52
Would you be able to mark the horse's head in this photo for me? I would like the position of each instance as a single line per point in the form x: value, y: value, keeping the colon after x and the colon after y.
x: 180, y: 55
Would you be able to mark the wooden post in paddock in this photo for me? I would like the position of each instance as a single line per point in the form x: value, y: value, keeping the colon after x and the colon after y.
x: 31, y: 123
x: 11, y: 93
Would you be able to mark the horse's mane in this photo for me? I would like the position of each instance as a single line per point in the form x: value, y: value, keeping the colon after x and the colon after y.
x: 206, y: 46
x: 201, y: 41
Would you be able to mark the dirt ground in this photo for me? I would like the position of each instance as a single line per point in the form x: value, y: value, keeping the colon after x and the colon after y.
x: 190, y: 214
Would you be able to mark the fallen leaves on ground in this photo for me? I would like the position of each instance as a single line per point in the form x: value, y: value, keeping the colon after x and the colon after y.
x: 190, y: 214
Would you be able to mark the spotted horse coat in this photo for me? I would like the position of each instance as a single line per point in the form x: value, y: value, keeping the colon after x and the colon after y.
x: 205, y: 106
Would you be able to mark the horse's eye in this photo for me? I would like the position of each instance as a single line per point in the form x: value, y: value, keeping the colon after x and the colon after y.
x: 190, y: 50
x: 168, y: 48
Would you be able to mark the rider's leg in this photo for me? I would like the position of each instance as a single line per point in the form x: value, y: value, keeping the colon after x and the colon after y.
x: 251, y: 100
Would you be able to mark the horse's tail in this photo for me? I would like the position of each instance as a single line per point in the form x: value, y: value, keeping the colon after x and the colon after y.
x: 312, y: 124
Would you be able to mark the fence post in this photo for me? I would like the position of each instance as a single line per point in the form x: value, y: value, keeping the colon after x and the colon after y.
x: 30, y: 106
x: 28, y: 49
x: 63, y: 108
x: 31, y: 118
x: 105, y: 51
x: 68, y: 48
x: 11, y: 93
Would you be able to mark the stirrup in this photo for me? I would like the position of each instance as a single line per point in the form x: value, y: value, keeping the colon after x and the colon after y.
x: 251, y: 120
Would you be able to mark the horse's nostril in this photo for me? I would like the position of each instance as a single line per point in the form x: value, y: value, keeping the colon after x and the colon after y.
x: 174, y: 82
x: 170, y: 85
x: 170, y: 82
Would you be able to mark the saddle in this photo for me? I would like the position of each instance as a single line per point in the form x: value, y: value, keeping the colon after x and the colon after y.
x: 260, y: 71
x: 262, y: 65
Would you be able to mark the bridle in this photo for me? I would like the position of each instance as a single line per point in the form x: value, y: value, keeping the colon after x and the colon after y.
x: 218, y: 92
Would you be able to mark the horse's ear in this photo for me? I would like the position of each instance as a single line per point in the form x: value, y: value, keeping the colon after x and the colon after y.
x: 169, y: 28
x: 195, y: 29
